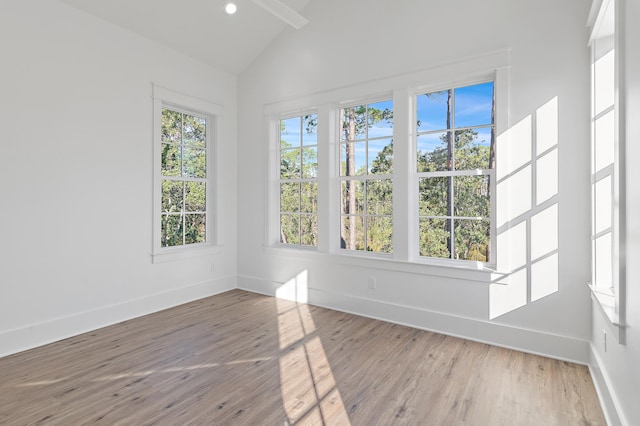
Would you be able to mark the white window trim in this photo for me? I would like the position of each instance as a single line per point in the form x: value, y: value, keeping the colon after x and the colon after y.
x: 612, y: 301
x: 167, y: 98
x: 492, y: 66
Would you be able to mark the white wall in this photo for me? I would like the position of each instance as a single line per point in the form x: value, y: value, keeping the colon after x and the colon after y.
x: 346, y: 44
x: 76, y: 175
x: 618, y: 366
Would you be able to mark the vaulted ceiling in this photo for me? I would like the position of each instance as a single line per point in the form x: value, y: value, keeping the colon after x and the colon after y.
x: 198, y: 28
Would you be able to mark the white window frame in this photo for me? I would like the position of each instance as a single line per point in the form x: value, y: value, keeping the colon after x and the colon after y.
x: 173, y: 100
x: 296, y: 180
x: 493, y: 66
x: 365, y: 177
x: 491, y: 173
x: 605, y: 20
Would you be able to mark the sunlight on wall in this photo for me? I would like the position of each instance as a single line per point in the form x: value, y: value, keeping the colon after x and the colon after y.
x: 527, y: 212
x: 309, y: 391
x: 296, y: 289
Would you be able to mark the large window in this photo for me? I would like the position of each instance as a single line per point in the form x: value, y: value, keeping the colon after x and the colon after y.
x: 184, y: 178
x: 392, y: 170
x: 299, y: 180
x: 184, y: 130
x: 607, y: 176
x: 455, y: 161
x: 366, y: 168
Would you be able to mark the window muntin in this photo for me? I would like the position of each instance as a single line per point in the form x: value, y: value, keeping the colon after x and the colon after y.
x: 455, y: 164
x: 366, y: 177
x: 184, y: 178
x: 299, y: 180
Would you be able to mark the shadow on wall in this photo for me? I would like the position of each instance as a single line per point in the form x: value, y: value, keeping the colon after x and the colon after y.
x: 527, y: 212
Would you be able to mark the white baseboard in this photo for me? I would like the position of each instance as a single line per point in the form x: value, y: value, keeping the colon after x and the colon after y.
x: 484, y: 331
x: 607, y: 397
x: 17, y: 340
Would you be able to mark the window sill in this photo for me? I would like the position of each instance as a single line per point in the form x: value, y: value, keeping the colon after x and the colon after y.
x: 388, y: 263
x: 607, y: 303
x: 182, y: 253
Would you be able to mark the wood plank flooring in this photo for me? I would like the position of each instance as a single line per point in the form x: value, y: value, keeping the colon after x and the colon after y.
x: 240, y: 358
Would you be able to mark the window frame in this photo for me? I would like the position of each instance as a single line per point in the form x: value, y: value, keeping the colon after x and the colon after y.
x: 492, y: 66
x: 609, y: 297
x: 340, y: 178
x: 490, y: 173
x: 300, y: 180
x: 164, y: 98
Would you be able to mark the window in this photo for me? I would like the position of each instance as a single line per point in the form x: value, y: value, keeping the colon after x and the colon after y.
x: 184, y: 222
x: 392, y: 172
x: 455, y: 166
x: 366, y: 169
x: 607, y: 176
x: 299, y: 181
x: 184, y: 178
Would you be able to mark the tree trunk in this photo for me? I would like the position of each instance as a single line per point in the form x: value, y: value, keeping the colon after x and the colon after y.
x: 351, y: 184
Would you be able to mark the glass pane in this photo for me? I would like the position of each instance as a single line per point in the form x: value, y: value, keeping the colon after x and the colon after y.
x: 380, y: 157
x: 472, y: 240
x: 603, y: 204
x: 352, y: 157
x: 290, y: 132
x: 171, y: 126
x: 290, y: 164
x: 171, y: 160
x: 473, y: 105
x: 172, y: 196
x: 379, y: 234
x: 433, y: 152
x: 471, y: 196
x: 379, y: 197
x: 309, y: 230
x: 171, y: 230
x: 310, y: 163
x: 604, y: 261
x: 352, y: 197
x: 195, y: 197
x: 354, y: 123
x: 434, y: 196
x: 473, y: 149
x: 309, y: 197
x: 194, y: 162
x: 289, y: 197
x: 194, y: 131
x: 289, y: 229
x: 310, y: 129
x: 380, y: 119
x: 604, y: 141
x: 604, y: 76
x: 434, y: 111
x: 195, y: 228
x: 352, y: 233
x: 434, y: 237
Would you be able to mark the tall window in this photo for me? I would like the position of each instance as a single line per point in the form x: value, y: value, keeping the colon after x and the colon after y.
x: 455, y: 165
x: 299, y: 180
x: 366, y: 170
x: 184, y: 178
x: 607, y: 167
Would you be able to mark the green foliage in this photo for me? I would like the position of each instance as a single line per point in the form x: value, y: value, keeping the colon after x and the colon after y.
x: 183, y: 155
x: 299, y: 199
x: 466, y: 209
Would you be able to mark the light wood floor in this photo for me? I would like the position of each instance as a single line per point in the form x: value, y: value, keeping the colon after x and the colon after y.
x: 246, y: 359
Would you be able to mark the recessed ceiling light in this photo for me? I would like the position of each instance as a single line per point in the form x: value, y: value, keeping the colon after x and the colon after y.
x: 230, y: 8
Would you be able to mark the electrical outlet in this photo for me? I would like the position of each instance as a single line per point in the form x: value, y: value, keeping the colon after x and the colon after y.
x: 372, y: 283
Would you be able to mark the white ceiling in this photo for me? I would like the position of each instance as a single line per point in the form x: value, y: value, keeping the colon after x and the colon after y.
x: 198, y: 28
